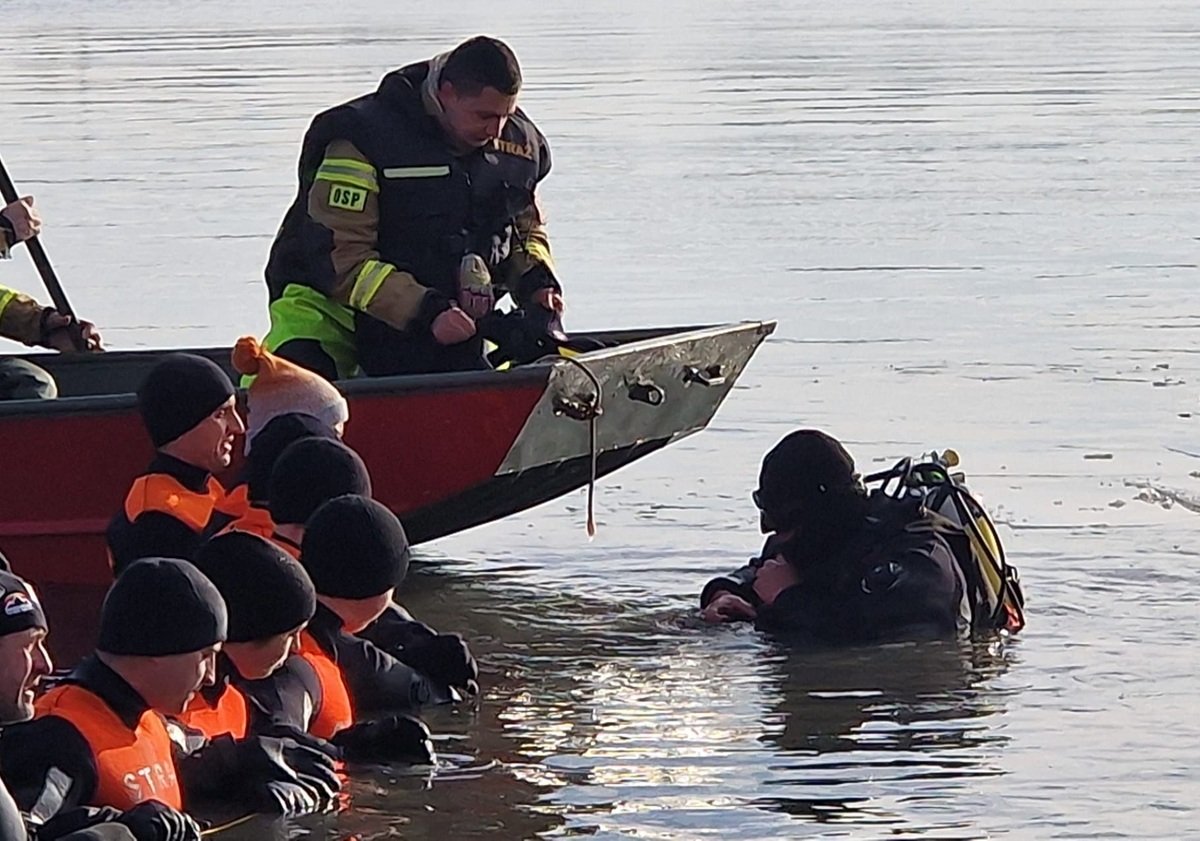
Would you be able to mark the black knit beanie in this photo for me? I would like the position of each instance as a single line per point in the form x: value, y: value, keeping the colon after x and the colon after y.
x: 20, y: 609
x: 354, y: 548
x: 178, y: 393
x: 266, y: 591
x: 805, y: 478
x: 161, y: 606
x: 270, y: 443
x: 310, y: 472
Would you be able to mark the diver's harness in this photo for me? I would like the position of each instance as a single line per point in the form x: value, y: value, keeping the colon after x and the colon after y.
x: 993, y: 586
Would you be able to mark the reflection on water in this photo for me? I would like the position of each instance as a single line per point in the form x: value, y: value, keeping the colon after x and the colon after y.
x: 602, y: 722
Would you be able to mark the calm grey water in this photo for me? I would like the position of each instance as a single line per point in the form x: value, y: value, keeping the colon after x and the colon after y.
x: 977, y: 226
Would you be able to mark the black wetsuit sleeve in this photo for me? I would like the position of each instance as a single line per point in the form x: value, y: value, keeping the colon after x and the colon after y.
x: 378, y: 682
x: 48, y: 766
x: 289, y: 697
x: 396, y: 630
x: 152, y: 535
x: 207, y: 768
x: 740, y: 582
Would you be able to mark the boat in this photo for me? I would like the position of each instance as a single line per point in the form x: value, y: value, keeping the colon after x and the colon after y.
x: 446, y: 452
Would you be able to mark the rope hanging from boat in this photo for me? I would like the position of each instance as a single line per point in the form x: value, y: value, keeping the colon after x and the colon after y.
x: 233, y: 824
x: 594, y: 412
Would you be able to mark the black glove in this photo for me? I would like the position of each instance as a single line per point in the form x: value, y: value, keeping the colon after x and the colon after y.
x: 280, y: 730
x: 396, y: 629
x: 290, y: 799
x: 445, y: 658
x: 397, y: 738
x: 267, y: 760
x: 154, y: 821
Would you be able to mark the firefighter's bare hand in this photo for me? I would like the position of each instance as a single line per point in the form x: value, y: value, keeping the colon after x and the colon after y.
x: 452, y: 327
x: 26, y: 221
x: 550, y: 299
x: 58, y: 334
x: 726, y: 607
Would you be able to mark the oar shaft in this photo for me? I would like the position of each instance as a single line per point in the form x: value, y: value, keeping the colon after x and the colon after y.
x: 40, y: 260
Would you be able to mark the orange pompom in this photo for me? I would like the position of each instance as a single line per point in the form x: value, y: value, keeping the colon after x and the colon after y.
x: 247, y: 355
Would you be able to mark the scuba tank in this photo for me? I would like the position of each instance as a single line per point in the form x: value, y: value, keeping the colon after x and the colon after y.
x: 994, y: 595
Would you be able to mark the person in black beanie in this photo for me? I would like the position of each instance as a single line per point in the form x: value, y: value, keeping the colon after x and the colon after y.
x: 188, y: 407
x: 312, y: 472
x: 356, y: 553
x: 839, y: 565
x: 271, y: 599
x: 101, y: 738
x: 279, y: 433
x: 23, y: 663
x: 309, y: 472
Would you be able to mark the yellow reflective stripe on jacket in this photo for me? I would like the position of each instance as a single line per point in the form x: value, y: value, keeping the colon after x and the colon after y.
x: 416, y: 172
x: 348, y: 171
x: 6, y: 297
x: 539, y: 251
x: 370, y: 277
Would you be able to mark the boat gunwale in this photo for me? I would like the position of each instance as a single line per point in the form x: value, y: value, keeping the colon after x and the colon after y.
x: 524, y: 375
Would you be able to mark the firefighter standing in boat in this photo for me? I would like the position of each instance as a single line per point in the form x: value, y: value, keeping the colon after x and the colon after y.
x: 416, y: 209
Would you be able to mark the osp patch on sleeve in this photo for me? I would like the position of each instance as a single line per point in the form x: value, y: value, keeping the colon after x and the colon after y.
x: 345, y: 197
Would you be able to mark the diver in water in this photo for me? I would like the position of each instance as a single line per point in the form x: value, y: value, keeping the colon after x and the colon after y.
x: 842, y: 565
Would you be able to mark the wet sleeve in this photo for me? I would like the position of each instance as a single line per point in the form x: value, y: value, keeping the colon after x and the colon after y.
x: 740, y: 582
x: 378, y: 682
x: 344, y: 198
x: 809, y: 611
x: 205, y: 767
x: 48, y: 767
x: 396, y: 630
x: 20, y: 317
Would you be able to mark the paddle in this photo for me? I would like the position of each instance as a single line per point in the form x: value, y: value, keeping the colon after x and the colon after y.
x: 42, y: 262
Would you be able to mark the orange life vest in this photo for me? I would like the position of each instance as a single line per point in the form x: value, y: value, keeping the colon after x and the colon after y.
x: 132, y: 765
x: 336, y: 712
x: 255, y: 521
x: 258, y: 521
x: 165, y: 494
x: 230, y: 715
